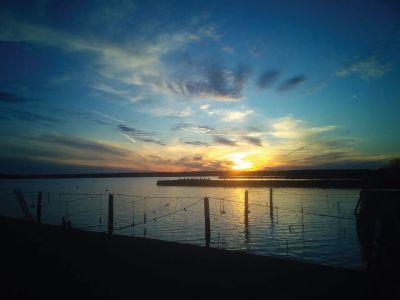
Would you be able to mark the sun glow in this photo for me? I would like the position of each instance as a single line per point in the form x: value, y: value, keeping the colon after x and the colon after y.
x: 240, y: 162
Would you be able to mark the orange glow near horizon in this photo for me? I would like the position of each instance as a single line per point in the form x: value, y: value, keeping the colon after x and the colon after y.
x: 240, y: 161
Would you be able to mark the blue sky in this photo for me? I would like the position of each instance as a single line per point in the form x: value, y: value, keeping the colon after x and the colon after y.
x: 178, y: 85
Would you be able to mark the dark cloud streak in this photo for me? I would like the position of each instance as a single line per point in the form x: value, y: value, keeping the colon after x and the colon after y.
x: 224, y: 141
x: 253, y: 140
x: 194, y: 143
x: 12, y: 98
x: 291, y: 83
x: 266, y: 78
x: 34, y: 118
x: 139, y: 135
x: 218, y: 82
x: 80, y: 144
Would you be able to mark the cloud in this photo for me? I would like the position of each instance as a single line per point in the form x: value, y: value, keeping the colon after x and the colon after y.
x: 224, y: 141
x: 252, y: 140
x: 81, y: 144
x: 135, y: 135
x: 312, y: 89
x: 190, y: 163
x: 107, y: 116
x: 137, y: 62
x: 168, y: 110
x: 194, y: 143
x: 256, y: 48
x: 61, y: 79
x: 125, y: 94
x: 228, y: 49
x: 232, y: 116
x: 100, y: 122
x: 335, y: 159
x: 195, y: 128
x: 210, y: 31
x: 226, y: 114
x: 291, y: 83
x: 266, y: 78
x: 12, y: 98
x: 131, y: 130
x: 218, y: 83
x: 32, y: 117
x: 291, y: 128
x: 369, y: 68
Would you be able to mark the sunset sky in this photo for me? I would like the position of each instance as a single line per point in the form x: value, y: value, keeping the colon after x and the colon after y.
x: 89, y: 86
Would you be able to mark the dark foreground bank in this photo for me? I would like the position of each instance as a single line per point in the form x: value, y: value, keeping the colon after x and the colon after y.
x: 43, y: 261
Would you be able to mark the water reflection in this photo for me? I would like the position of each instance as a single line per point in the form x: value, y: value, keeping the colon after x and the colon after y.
x: 305, y: 224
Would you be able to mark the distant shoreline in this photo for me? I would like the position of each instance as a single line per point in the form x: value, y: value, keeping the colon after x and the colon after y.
x: 285, y: 183
x: 367, y: 174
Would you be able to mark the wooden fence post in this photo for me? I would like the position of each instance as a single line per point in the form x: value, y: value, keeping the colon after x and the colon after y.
x: 39, y: 208
x: 246, y: 210
x: 271, y: 205
x: 110, y: 213
x: 207, y: 221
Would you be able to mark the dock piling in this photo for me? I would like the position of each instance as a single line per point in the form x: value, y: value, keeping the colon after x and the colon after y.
x: 246, y: 210
x: 207, y: 221
x: 271, y: 205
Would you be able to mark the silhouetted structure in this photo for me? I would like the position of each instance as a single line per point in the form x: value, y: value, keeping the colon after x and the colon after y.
x: 378, y: 227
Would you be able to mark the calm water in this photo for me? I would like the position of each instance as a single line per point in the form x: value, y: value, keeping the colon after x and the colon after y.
x: 325, y: 233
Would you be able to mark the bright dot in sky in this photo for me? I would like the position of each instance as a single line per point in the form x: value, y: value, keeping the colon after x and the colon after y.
x: 240, y: 162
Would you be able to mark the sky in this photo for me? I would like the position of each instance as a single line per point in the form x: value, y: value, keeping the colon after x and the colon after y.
x: 118, y: 86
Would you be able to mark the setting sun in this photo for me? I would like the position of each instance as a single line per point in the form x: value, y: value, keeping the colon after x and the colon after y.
x: 240, y: 163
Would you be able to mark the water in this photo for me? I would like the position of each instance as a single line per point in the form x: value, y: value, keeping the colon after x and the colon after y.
x: 325, y: 233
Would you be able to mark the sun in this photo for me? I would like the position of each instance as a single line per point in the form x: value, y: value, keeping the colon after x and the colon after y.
x: 240, y: 162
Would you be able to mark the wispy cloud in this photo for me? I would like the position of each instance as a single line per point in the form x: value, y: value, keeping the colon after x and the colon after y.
x: 12, y: 98
x: 291, y: 83
x: 314, y: 88
x: 134, y: 135
x: 168, y: 110
x: 194, y: 143
x: 291, y: 128
x: 107, y: 116
x: 253, y: 140
x: 228, y: 49
x: 138, y: 62
x: 369, y: 68
x: 32, y: 117
x: 228, y: 115
x: 210, y: 31
x: 81, y: 144
x: 231, y: 115
x: 256, y: 48
x: 125, y: 94
x: 266, y: 78
x: 130, y: 130
x: 219, y: 83
x: 195, y: 128
x: 224, y: 141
